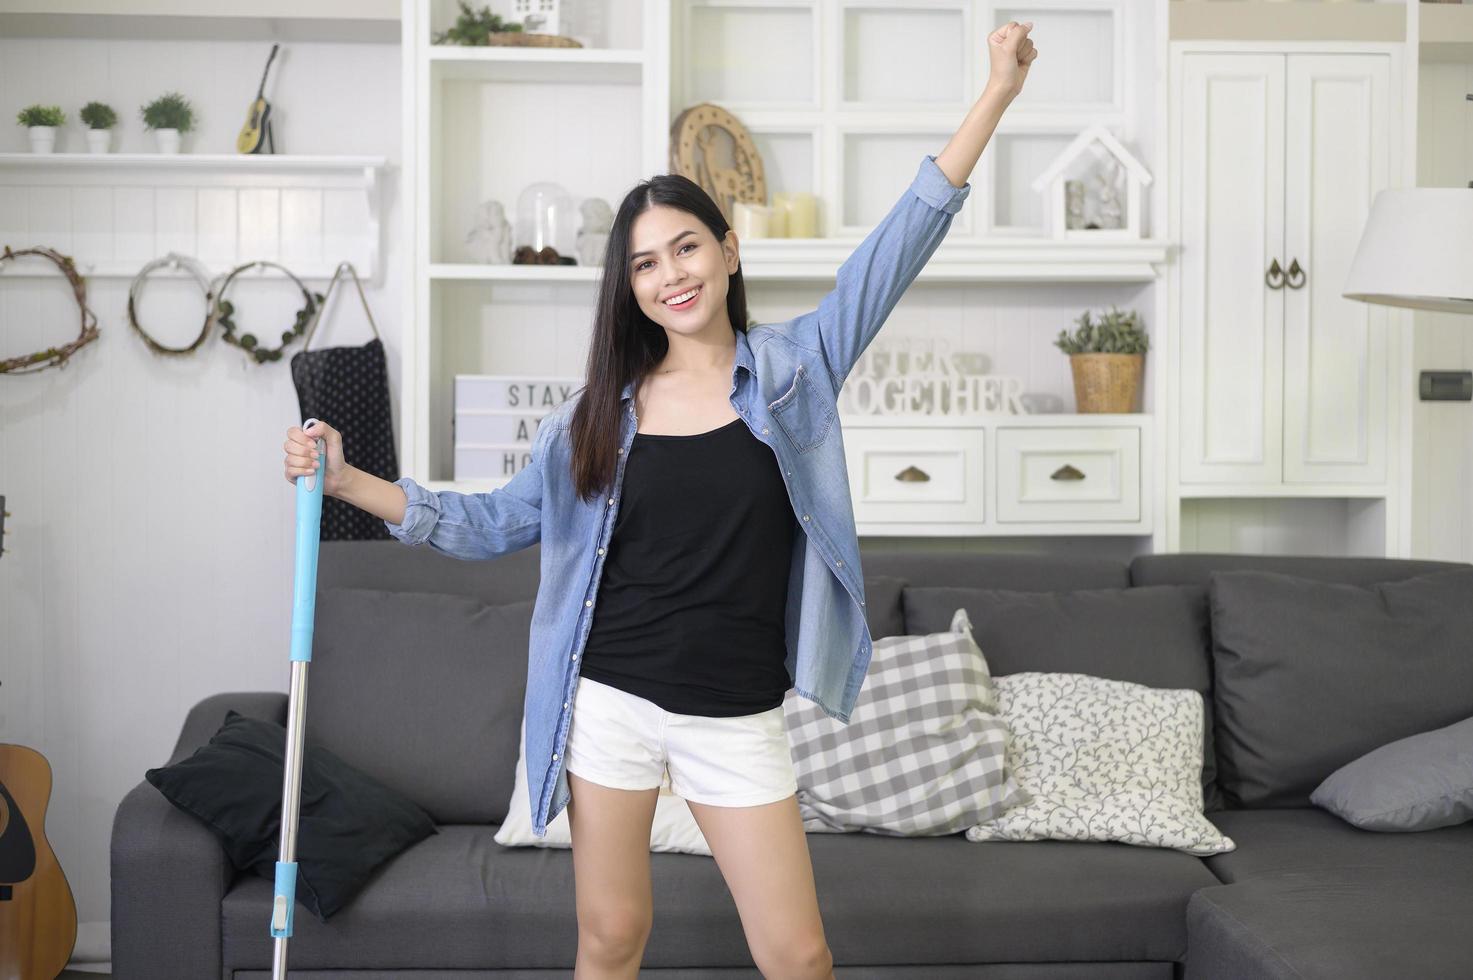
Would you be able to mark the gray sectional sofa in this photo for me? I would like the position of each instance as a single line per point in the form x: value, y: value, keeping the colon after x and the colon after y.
x: 1304, y: 894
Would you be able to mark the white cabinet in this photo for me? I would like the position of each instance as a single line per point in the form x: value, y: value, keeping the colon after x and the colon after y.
x: 996, y: 475
x: 1282, y: 380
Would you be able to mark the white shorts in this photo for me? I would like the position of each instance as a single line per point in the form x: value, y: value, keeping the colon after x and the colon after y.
x: 623, y: 741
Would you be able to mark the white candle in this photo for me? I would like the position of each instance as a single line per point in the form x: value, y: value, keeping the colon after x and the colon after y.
x: 750, y: 220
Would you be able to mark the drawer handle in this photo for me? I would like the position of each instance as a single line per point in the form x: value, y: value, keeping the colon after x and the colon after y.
x: 1066, y: 472
x: 912, y: 474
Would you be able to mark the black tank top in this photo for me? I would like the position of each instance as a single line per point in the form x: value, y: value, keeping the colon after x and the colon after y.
x: 692, y: 602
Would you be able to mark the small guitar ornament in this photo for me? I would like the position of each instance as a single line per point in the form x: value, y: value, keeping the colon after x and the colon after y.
x: 38, y: 918
x: 258, y: 120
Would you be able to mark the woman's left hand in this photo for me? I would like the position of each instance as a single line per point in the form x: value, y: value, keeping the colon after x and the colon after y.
x: 1011, y: 52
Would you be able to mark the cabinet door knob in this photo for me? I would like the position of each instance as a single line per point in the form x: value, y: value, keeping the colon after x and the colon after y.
x: 913, y: 474
x: 1274, y: 272
x: 1294, y: 270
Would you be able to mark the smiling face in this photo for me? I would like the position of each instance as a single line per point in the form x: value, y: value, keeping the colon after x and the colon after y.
x: 678, y: 254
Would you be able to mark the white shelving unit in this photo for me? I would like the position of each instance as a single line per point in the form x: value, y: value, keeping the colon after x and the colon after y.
x: 113, y: 212
x: 483, y: 123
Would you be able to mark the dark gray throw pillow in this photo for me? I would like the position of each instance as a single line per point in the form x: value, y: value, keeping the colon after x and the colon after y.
x: 1421, y: 782
x: 348, y: 824
x: 1310, y: 675
x: 424, y: 692
x: 1155, y: 635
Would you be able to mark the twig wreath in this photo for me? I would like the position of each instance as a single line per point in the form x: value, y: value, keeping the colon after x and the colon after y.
x: 41, y: 360
x: 224, y: 312
x: 197, y: 272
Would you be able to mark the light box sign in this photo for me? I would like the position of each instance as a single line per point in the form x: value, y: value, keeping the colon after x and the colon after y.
x: 496, y: 420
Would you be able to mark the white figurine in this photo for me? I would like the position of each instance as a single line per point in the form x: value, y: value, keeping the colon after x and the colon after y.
x: 489, y: 239
x: 593, y: 237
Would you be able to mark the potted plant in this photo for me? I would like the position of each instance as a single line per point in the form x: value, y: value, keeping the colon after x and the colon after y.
x: 168, y: 116
x: 1106, y: 359
x: 100, y: 120
x: 41, y: 122
x: 474, y: 27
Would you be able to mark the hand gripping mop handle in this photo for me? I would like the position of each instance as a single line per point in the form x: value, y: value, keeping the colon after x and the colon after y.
x: 304, y: 606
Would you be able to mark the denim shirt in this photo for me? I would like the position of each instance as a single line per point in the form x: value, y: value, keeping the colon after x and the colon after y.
x: 785, y: 385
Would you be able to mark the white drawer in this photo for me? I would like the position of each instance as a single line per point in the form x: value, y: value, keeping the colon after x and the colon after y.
x: 1079, y: 473
x: 916, y: 474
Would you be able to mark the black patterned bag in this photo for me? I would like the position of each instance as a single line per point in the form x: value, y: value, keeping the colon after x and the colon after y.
x: 348, y: 388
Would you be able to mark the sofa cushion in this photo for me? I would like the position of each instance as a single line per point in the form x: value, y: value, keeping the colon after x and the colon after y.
x: 882, y: 609
x: 1302, y: 841
x: 1103, y: 760
x: 1310, y: 675
x: 924, y: 752
x: 1336, y: 924
x: 424, y: 692
x: 1421, y: 782
x: 459, y: 901
x: 1152, y: 635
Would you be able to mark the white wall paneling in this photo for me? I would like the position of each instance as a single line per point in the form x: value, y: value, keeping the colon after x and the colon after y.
x: 148, y: 557
x: 114, y: 212
x: 1442, y: 458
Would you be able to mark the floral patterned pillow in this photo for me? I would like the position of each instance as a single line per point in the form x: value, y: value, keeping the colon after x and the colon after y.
x: 1103, y: 760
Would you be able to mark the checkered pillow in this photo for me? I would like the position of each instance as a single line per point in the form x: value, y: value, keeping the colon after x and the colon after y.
x: 923, y: 753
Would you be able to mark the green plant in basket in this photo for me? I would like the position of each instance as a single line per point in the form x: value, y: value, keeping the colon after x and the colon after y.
x: 169, y: 111
x: 1116, y: 333
x: 99, y: 115
x: 41, y: 115
x: 474, y: 27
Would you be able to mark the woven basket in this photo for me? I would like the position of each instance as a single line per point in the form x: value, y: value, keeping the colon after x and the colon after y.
x: 523, y: 39
x: 1106, y: 382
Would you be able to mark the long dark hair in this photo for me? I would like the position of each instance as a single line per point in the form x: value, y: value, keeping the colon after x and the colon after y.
x: 626, y: 344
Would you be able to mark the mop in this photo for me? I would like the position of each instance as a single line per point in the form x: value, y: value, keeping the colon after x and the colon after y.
x: 304, y: 605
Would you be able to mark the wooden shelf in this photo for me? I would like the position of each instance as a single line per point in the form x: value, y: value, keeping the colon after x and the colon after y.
x: 818, y: 260
x: 223, y: 162
x: 517, y: 64
x: 371, y: 21
x: 1328, y: 491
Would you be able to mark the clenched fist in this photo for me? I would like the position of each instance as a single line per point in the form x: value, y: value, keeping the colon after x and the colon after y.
x: 1011, y: 51
x: 302, y: 459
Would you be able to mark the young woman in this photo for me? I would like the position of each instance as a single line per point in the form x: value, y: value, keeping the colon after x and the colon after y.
x: 695, y: 487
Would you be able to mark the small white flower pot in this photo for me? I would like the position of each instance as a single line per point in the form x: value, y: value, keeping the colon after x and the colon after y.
x: 43, y: 138
x: 167, y: 139
x: 98, y: 140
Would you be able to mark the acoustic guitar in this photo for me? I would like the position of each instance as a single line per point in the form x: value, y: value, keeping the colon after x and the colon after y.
x: 38, y: 918
x: 258, y: 118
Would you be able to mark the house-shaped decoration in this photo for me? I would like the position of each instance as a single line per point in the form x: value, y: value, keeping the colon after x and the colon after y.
x: 535, y: 16
x: 1093, y: 189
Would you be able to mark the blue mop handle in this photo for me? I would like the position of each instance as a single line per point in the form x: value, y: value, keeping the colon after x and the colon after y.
x: 304, y: 607
x: 309, y: 533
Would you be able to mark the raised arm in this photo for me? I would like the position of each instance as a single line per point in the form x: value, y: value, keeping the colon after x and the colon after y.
x: 876, y: 274
x: 478, y: 526
x: 873, y: 278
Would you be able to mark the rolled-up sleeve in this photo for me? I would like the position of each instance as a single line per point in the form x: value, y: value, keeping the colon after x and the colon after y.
x: 477, y: 526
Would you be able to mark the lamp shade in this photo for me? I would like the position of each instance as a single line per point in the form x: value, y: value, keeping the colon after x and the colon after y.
x: 1416, y: 250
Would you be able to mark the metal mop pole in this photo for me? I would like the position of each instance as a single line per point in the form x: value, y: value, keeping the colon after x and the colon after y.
x: 304, y: 606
